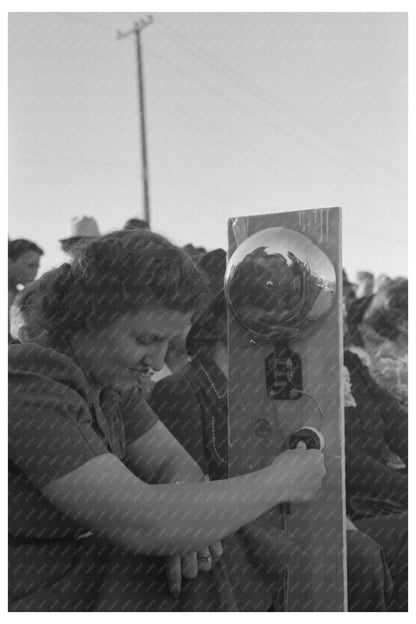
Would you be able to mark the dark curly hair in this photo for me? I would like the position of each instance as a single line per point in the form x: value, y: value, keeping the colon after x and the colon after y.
x: 355, y: 315
x: 208, y: 329
x: 121, y: 272
x: 387, y: 312
x: 19, y: 246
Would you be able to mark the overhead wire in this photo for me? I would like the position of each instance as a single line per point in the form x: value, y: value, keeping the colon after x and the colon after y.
x: 82, y: 20
x: 263, y: 94
x: 214, y: 62
x: 165, y: 179
x: 282, y: 165
x: 244, y: 83
x: 79, y: 163
x: 268, y: 123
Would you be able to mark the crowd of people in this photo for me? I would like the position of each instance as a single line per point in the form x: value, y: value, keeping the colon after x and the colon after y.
x: 120, y: 498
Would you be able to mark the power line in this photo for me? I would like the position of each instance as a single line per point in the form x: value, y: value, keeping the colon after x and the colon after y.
x: 255, y: 90
x: 79, y: 163
x: 180, y: 183
x: 82, y: 20
x: 218, y: 65
x: 268, y: 123
x: 263, y: 94
x: 281, y: 165
x: 280, y: 168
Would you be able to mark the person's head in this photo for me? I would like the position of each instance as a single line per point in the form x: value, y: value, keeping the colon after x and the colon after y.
x: 23, y: 323
x: 136, y: 224
x: 196, y: 253
x: 120, y: 303
x: 82, y: 231
x: 387, y: 313
x: 73, y: 246
x: 353, y: 319
x: 348, y: 291
x: 365, y: 283
x: 381, y: 281
x: 24, y: 259
x: 210, y: 328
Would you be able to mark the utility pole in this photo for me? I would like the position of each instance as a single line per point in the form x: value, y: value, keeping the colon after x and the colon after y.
x: 136, y: 30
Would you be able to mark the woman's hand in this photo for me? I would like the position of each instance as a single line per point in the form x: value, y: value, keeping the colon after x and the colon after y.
x: 189, y: 565
x: 301, y: 471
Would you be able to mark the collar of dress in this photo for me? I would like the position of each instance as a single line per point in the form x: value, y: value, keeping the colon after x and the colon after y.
x: 212, y: 375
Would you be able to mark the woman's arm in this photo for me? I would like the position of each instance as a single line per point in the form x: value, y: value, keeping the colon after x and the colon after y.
x: 172, y: 463
x: 176, y: 465
x: 106, y: 498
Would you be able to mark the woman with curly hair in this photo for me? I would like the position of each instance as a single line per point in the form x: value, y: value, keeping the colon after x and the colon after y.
x: 107, y: 510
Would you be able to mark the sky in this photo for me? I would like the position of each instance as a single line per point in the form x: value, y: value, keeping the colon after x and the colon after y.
x: 247, y: 113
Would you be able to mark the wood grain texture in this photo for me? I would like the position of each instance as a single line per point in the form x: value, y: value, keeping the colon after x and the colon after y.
x: 258, y: 425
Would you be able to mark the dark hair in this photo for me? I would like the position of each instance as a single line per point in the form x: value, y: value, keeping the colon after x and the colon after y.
x: 208, y: 329
x: 362, y: 275
x: 388, y: 309
x: 136, y: 224
x: 121, y: 272
x: 196, y: 253
x: 20, y: 246
x: 355, y: 314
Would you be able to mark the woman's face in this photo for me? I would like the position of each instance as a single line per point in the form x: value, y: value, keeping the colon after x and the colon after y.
x: 117, y: 355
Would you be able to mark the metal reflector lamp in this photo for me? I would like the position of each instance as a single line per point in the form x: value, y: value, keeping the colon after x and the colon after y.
x: 279, y: 285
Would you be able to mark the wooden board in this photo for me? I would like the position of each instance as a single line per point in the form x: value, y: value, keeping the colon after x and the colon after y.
x: 258, y: 425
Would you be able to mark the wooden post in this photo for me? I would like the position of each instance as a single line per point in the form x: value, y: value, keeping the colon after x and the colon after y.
x: 259, y: 425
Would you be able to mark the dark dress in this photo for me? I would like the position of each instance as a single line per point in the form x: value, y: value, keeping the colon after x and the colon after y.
x: 58, y: 421
x: 193, y: 405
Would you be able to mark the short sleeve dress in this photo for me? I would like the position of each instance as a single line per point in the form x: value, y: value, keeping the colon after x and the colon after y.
x: 58, y: 421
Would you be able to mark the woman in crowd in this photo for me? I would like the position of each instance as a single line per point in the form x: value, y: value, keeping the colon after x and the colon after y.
x: 378, y: 332
x: 193, y: 405
x: 106, y: 506
x: 376, y: 453
x: 202, y: 385
x: 376, y: 431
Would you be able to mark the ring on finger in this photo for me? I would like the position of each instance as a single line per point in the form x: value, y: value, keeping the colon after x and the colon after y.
x: 204, y: 558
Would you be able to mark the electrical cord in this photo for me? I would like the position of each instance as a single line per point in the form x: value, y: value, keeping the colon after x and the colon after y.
x: 308, y: 394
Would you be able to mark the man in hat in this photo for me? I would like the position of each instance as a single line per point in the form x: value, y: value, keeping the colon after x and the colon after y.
x: 82, y: 230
